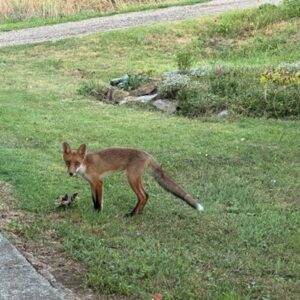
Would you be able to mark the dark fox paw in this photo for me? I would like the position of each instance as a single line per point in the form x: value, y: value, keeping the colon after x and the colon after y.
x: 97, y: 206
x: 132, y: 213
x: 129, y: 214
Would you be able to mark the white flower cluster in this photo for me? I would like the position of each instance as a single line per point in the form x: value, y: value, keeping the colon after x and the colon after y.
x: 172, y: 83
x: 293, y: 67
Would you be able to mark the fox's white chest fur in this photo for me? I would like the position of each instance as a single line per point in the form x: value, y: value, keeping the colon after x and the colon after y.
x: 81, y: 170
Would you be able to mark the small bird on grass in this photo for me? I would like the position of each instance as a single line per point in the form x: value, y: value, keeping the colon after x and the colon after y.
x: 65, y: 201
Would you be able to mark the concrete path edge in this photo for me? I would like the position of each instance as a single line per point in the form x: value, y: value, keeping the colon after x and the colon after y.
x: 20, y: 281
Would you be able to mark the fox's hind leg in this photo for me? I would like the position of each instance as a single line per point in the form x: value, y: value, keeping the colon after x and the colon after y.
x: 141, y: 194
x: 135, y: 181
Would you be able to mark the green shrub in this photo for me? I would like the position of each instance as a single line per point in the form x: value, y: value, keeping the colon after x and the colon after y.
x: 184, y: 60
x: 196, y: 100
x: 293, y: 6
x: 246, y: 95
x: 230, y: 82
x: 273, y: 102
x: 241, y: 91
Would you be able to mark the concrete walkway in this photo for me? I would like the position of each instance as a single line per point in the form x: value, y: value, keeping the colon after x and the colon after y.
x: 64, y: 30
x: 20, y: 281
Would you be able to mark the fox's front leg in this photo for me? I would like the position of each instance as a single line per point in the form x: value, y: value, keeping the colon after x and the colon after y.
x: 97, y: 192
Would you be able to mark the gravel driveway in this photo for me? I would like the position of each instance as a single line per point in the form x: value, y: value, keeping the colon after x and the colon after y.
x: 64, y: 30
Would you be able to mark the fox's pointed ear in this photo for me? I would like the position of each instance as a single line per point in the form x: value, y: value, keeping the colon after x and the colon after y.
x: 66, y: 148
x: 82, y: 150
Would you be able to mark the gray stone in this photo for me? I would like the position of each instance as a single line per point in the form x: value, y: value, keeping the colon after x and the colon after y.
x: 141, y: 99
x: 116, y: 95
x: 20, y: 281
x: 147, y: 98
x: 128, y: 99
x: 167, y: 106
x: 223, y: 114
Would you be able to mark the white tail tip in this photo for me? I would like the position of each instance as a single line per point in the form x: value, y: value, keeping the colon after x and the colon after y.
x: 199, y: 207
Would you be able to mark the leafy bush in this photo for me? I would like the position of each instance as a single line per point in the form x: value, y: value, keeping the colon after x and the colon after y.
x: 292, y: 5
x: 196, y: 100
x: 274, y: 102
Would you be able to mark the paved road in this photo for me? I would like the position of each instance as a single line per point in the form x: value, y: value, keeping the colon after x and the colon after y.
x: 61, y: 31
x: 20, y: 281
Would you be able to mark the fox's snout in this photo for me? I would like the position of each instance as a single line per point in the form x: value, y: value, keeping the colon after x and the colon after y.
x: 71, y: 171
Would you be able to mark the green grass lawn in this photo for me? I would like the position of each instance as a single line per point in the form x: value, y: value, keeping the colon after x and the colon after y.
x: 14, y: 23
x: 246, y: 172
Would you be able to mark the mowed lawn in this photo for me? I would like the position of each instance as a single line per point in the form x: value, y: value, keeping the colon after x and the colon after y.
x: 245, y: 172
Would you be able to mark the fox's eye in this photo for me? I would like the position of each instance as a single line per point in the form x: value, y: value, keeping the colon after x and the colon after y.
x: 68, y: 162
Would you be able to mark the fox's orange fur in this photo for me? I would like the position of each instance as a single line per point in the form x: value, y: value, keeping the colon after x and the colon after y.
x: 94, y: 166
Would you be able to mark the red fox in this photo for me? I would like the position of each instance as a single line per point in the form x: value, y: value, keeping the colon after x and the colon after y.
x: 94, y: 166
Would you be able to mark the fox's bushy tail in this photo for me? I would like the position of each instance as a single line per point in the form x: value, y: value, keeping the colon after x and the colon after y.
x: 166, y: 182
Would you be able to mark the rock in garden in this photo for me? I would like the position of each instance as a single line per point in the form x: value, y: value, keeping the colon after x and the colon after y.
x: 146, y: 89
x: 116, y: 81
x: 128, y: 99
x: 147, y: 98
x: 116, y: 95
x: 141, y: 99
x: 165, y: 105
